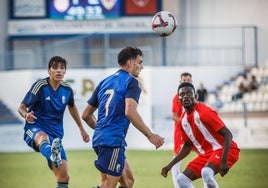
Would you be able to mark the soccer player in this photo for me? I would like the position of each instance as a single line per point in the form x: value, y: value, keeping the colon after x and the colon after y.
x: 177, y: 110
x: 116, y: 98
x: 43, y: 108
x: 203, y: 130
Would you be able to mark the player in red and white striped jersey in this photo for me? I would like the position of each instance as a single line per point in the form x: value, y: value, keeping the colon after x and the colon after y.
x: 204, y: 131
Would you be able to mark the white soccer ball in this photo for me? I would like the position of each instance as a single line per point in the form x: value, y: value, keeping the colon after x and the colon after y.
x: 164, y: 23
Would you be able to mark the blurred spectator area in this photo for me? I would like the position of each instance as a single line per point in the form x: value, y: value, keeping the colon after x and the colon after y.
x: 254, y: 101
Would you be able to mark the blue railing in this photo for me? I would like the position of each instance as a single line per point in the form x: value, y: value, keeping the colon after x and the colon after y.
x: 188, y: 46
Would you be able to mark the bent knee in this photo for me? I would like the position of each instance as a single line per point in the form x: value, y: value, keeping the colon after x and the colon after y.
x: 183, y: 180
x: 207, y: 173
x: 40, y: 137
x: 129, y: 182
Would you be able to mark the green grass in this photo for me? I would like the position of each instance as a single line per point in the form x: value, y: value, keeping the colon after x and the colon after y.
x: 25, y: 170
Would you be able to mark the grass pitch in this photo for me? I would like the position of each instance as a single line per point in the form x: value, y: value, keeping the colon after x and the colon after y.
x: 25, y: 170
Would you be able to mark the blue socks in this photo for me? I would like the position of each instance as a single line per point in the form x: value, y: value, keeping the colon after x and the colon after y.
x: 45, y: 149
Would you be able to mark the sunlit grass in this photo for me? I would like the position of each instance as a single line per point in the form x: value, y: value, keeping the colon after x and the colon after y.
x: 23, y: 170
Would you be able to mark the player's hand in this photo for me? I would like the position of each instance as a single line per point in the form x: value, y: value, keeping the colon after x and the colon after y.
x: 85, y: 136
x: 164, y: 171
x: 30, y: 117
x: 157, y: 140
x: 224, y: 168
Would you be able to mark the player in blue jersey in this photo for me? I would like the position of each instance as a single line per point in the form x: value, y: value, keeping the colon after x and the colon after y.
x: 43, y: 108
x: 116, y: 98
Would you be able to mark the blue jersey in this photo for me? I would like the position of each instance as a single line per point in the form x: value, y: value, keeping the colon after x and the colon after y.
x: 109, y: 97
x: 48, y: 106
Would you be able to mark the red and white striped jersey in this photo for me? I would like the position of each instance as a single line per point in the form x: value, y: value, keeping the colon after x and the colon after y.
x: 201, y: 127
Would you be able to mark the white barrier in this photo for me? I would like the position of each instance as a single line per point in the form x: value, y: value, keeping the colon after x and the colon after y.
x: 159, y: 87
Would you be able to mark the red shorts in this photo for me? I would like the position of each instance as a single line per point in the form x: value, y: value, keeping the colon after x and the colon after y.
x: 201, y: 160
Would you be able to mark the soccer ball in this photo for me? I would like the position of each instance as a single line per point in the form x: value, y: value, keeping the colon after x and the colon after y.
x: 164, y: 23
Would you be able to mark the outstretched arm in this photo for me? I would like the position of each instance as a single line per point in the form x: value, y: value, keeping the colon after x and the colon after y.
x: 135, y: 118
x: 185, y: 150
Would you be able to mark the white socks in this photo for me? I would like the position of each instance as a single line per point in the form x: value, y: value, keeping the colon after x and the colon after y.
x: 184, y: 181
x: 175, y: 170
x: 208, y: 178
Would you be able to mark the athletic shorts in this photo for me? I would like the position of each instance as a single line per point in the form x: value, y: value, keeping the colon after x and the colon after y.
x: 110, y: 160
x: 201, y: 160
x: 29, y: 135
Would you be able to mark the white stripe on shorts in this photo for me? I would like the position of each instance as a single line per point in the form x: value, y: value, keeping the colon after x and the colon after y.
x: 29, y: 133
x: 113, y: 159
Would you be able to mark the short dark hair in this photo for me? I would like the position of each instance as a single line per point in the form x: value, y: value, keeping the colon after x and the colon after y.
x: 127, y: 54
x: 186, y: 74
x: 185, y: 84
x: 56, y: 60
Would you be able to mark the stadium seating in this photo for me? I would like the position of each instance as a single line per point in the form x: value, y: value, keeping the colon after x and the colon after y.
x: 254, y: 101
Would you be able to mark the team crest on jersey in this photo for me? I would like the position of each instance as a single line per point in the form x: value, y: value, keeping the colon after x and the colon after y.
x: 63, y: 99
x: 108, y: 4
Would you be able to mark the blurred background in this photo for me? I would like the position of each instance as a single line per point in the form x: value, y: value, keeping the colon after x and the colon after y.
x: 218, y: 42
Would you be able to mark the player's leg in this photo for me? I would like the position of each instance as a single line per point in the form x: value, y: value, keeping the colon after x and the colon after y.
x: 212, y: 167
x: 207, y: 174
x: 110, y: 181
x: 38, y: 140
x: 111, y: 162
x: 61, y: 172
x: 51, y: 152
x: 192, y: 171
x: 175, y: 171
x: 185, y: 179
x: 103, y: 178
x: 127, y: 178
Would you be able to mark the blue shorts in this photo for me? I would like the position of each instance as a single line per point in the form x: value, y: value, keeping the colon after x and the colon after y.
x: 111, y: 160
x: 29, y: 135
